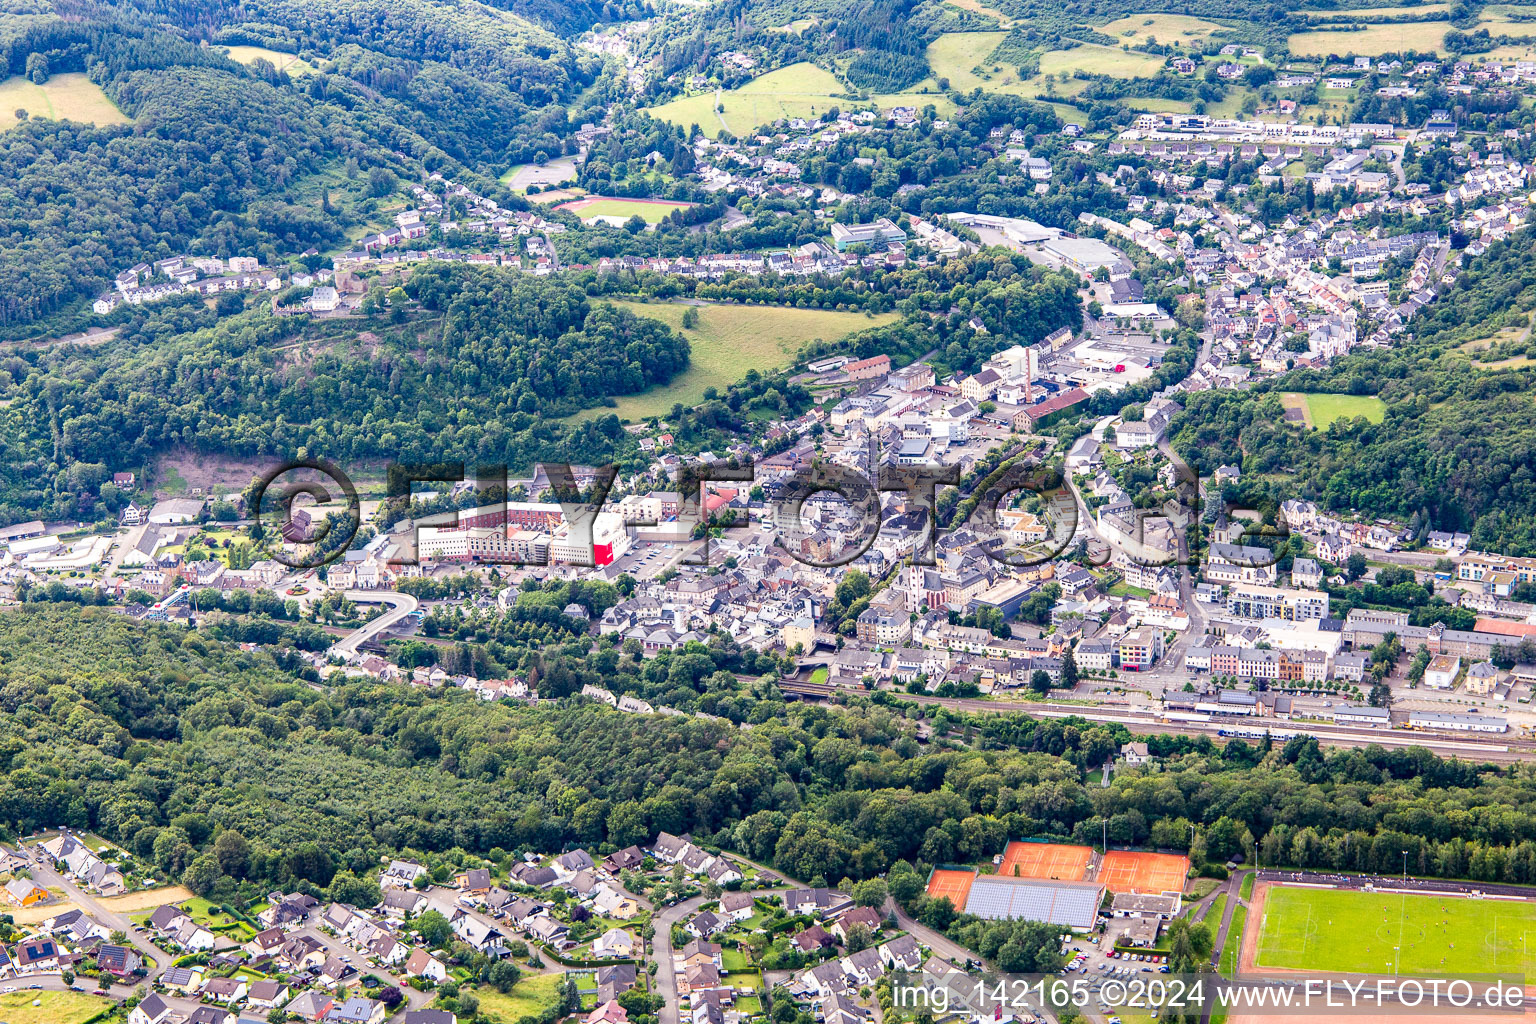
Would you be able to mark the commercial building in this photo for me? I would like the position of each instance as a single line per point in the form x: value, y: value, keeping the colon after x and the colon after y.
x: 877, y: 233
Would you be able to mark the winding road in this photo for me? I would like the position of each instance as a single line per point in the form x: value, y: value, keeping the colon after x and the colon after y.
x: 401, y: 605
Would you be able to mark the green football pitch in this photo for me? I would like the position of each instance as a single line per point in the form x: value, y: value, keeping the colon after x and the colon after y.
x: 1384, y: 932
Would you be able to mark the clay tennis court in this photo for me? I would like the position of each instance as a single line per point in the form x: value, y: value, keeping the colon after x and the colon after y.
x: 1045, y: 860
x: 956, y: 885
x: 1133, y: 871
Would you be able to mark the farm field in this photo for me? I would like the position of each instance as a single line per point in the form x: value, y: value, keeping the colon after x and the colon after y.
x: 1508, y: 27
x: 1438, y: 935
x: 963, y: 58
x: 1424, y: 36
x: 799, y: 90
x: 529, y: 997
x: 54, y: 1008
x: 1099, y: 60
x: 729, y: 341
x: 1372, y: 13
x: 1165, y: 28
x: 71, y: 97
x: 289, y: 62
x: 1321, y: 410
x: 653, y: 211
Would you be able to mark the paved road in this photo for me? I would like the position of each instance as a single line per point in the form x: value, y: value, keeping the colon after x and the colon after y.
x: 414, y: 1000
x: 1233, y: 886
x: 45, y: 875
x: 662, y: 951
x: 401, y: 605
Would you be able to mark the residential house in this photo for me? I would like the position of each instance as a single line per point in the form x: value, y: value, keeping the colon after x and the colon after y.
x: 151, y: 1010
x: 421, y: 964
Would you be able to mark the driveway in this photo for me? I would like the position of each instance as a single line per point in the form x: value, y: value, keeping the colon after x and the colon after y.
x: 48, y: 878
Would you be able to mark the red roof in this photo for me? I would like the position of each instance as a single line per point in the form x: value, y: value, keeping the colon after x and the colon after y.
x: 1506, y: 628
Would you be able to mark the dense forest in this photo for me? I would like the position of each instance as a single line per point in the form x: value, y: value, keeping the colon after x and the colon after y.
x: 167, y: 740
x: 1458, y: 442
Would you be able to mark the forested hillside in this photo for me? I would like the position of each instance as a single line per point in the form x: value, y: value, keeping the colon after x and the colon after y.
x: 481, y: 372
x: 1457, y: 449
x: 219, y: 155
x: 166, y: 740
x: 474, y: 382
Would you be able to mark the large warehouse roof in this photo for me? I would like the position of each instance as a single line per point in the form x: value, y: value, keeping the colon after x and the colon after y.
x: 997, y: 897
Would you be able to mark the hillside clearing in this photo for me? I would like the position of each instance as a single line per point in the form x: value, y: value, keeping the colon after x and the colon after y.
x: 1423, y: 36
x: 71, y: 97
x: 289, y: 62
x: 802, y: 90
x: 729, y: 341
x: 1164, y: 28
x: 1321, y: 410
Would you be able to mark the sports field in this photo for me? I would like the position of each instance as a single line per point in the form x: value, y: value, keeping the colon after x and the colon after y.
x: 653, y: 211
x: 1165, y: 28
x: 69, y: 96
x: 955, y: 885
x: 1413, y: 935
x: 1321, y: 410
x: 1134, y: 871
x: 1045, y: 860
x: 1423, y: 36
x: 730, y: 340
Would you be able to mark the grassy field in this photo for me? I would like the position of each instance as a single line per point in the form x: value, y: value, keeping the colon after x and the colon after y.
x: 1232, y: 952
x: 288, y: 62
x: 1374, y: 13
x: 800, y: 90
x: 70, y: 96
x: 729, y: 341
x: 964, y: 59
x: 977, y: 7
x: 1322, y: 410
x: 651, y: 211
x: 1165, y: 28
x: 1424, y: 36
x: 1436, y: 934
x: 1099, y: 60
x: 53, y: 1008
x: 529, y: 997
x: 1246, y: 892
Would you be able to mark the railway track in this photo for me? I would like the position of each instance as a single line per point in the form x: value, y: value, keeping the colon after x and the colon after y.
x: 1500, y: 749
